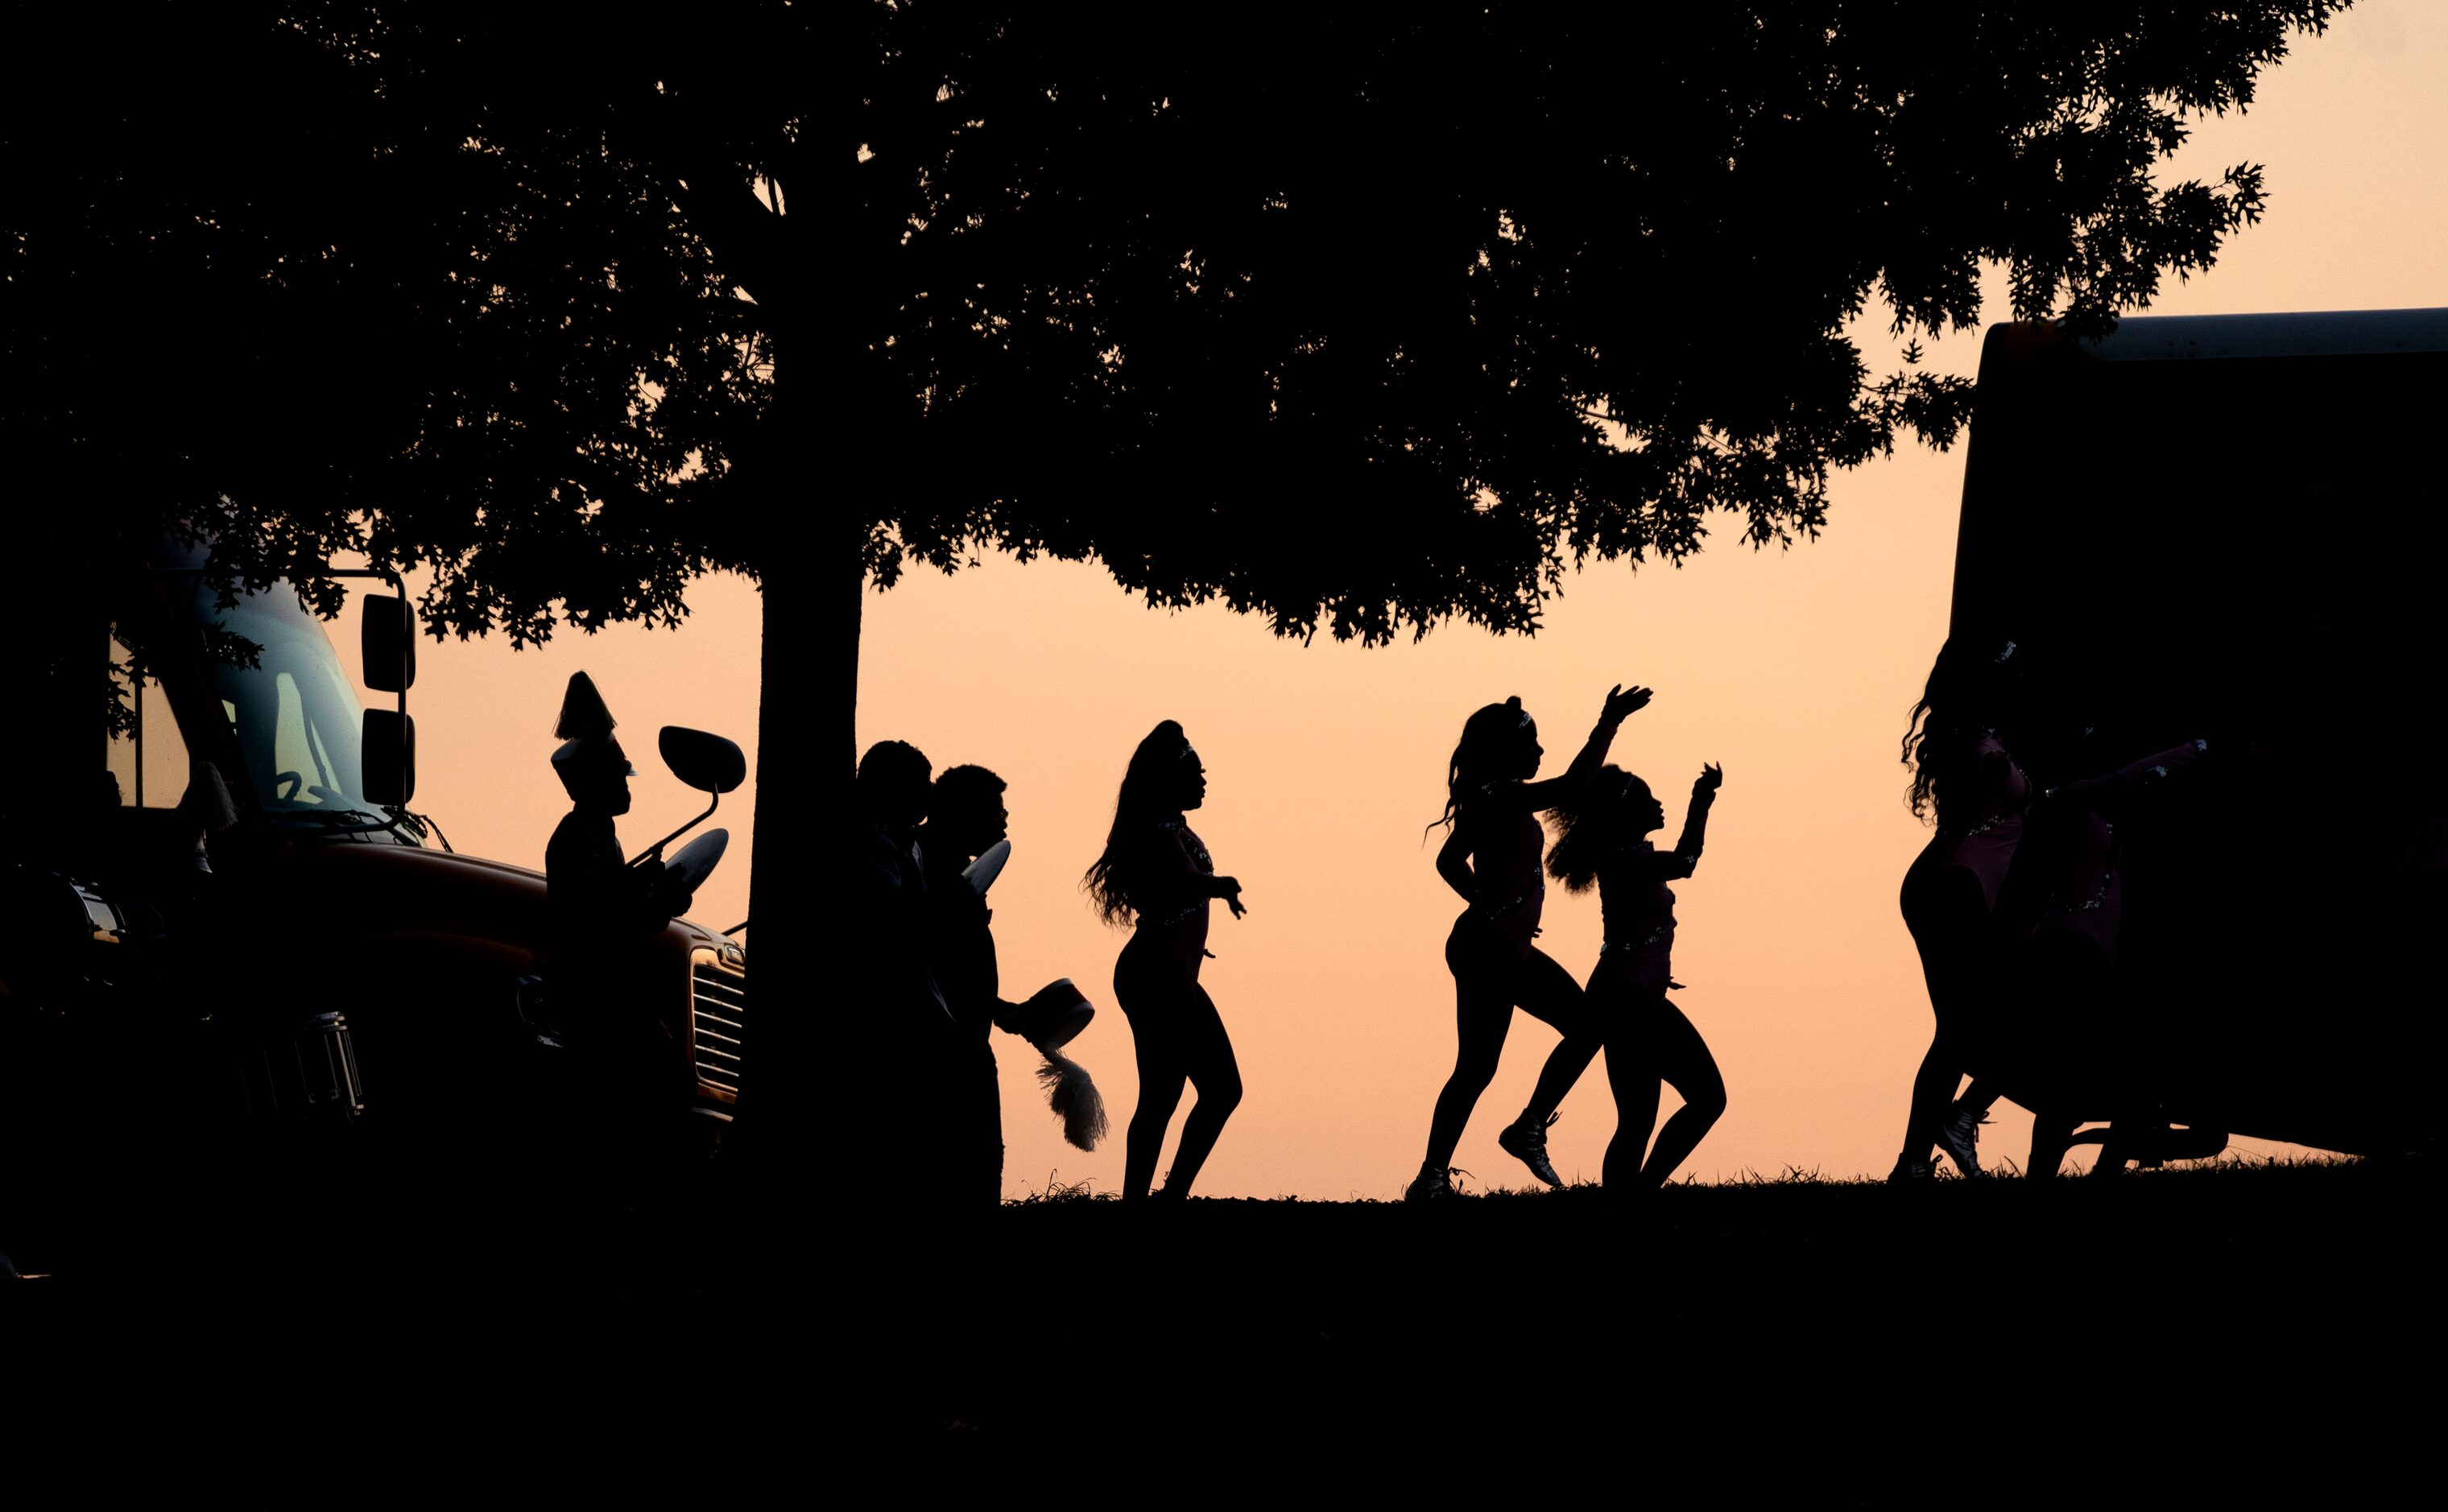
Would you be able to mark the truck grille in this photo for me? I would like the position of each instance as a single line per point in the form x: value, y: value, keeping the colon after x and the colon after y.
x: 718, y: 1001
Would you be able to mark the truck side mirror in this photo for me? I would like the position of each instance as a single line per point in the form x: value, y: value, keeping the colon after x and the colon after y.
x: 390, y: 757
x: 703, y: 761
x: 386, y: 637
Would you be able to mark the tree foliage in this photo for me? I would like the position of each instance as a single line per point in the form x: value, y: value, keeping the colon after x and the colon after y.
x: 1358, y: 319
x: 1362, y: 323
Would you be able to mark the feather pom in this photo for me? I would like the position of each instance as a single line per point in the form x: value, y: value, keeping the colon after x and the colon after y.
x: 584, y: 715
x: 1073, y: 1095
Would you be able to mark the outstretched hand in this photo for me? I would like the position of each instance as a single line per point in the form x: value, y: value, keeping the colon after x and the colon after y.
x: 1232, y: 895
x: 1620, y: 701
x: 1712, y: 778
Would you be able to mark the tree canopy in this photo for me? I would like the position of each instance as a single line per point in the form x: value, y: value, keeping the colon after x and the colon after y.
x: 1356, y: 319
x: 1359, y: 319
x: 1362, y: 323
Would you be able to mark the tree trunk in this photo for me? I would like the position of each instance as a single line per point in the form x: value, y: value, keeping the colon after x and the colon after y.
x: 803, y: 835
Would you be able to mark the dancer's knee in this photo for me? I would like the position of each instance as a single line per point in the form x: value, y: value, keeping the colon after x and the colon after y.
x: 1471, y: 1075
x: 1157, y: 1106
x: 1220, y: 1095
x: 1708, y: 1100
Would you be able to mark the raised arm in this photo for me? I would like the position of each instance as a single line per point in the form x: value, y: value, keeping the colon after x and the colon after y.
x: 1621, y: 702
x: 2097, y: 792
x: 1669, y: 866
x: 1696, y: 823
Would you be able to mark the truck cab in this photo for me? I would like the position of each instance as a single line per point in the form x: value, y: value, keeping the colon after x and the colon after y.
x: 225, y: 916
x: 2231, y: 528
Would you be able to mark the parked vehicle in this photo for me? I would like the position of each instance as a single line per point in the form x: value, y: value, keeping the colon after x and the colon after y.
x: 2232, y: 528
x: 232, y: 922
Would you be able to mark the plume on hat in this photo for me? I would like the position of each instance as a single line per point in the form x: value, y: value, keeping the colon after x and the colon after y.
x: 1073, y: 1095
x: 584, y: 716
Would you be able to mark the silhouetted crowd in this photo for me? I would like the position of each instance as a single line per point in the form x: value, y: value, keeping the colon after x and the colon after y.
x: 2015, y: 904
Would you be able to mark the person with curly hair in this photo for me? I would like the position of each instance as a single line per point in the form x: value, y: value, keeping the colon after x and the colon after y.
x: 1603, y: 840
x: 1491, y: 857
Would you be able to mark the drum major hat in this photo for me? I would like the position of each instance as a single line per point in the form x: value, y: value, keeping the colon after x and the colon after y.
x: 588, y: 751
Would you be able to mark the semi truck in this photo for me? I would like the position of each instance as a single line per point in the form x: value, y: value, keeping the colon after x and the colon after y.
x: 2231, y: 529
x: 228, y: 924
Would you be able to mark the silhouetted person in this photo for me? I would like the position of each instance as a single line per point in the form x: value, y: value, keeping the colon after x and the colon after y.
x: 966, y: 819
x: 1155, y: 872
x: 1966, y: 781
x: 1492, y: 858
x: 1974, y: 950
x: 905, y: 1028
x: 604, y: 916
x: 965, y: 815
x: 1604, y: 839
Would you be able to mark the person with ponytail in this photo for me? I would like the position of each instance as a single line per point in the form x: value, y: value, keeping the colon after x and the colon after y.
x: 1968, y: 784
x: 1491, y: 857
x: 1976, y: 939
x: 1156, y: 874
x: 1602, y: 839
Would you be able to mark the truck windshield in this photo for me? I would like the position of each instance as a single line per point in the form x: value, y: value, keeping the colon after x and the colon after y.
x: 296, y: 718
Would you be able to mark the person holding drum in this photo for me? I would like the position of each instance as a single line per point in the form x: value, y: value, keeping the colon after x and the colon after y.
x: 601, y: 913
x: 961, y: 846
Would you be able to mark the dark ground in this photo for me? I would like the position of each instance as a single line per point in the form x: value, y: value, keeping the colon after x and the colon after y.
x: 2223, y: 1334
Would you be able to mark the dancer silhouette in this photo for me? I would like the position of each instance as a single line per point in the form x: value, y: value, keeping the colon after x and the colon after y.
x: 1976, y: 940
x: 1603, y: 838
x: 1491, y: 857
x: 1155, y: 870
x: 1965, y: 779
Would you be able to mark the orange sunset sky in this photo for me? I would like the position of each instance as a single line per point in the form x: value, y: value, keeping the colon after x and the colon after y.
x: 1795, y: 669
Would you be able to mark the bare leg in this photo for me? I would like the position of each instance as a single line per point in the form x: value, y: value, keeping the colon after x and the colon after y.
x: 2052, y: 1136
x: 1217, y: 1075
x: 1632, y: 1069
x: 1161, y: 1085
x: 1482, y: 1016
x: 1149, y: 989
x: 1546, y: 992
x: 1684, y: 1060
x: 1933, y: 1093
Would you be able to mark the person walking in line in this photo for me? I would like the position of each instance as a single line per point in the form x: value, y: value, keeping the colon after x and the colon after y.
x: 908, y: 1033
x: 965, y: 820
x: 1156, y: 873
x: 1491, y: 857
x: 1603, y: 838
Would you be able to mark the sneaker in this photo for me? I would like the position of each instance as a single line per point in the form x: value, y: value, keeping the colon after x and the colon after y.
x: 1909, y: 1173
x: 1432, y: 1184
x: 1525, y: 1139
x: 1959, y: 1135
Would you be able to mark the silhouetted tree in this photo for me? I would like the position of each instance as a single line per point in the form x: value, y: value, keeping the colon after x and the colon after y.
x: 1359, y: 320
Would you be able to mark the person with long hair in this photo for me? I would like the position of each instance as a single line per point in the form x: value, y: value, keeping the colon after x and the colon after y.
x: 1491, y: 857
x: 1958, y: 894
x: 1967, y: 784
x: 1156, y: 873
x: 1602, y: 839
